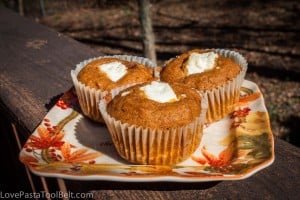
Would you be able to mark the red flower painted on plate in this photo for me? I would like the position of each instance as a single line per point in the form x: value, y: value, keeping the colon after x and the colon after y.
x: 45, y: 140
x: 68, y: 100
x: 60, y: 103
x: 238, y: 115
x: 241, y: 112
x: 223, y: 159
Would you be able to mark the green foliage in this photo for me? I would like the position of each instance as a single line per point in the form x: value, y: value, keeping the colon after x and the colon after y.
x: 259, y: 145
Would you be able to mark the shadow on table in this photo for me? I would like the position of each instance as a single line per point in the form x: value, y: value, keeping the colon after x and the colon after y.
x: 293, y: 126
x: 53, y: 101
x: 155, y: 186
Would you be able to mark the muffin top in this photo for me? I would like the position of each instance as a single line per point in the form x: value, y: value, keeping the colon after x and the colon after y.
x: 200, y: 69
x: 156, y: 105
x: 109, y: 73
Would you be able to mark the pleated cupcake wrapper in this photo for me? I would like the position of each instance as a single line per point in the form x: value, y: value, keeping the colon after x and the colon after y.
x: 155, y: 147
x: 221, y: 100
x: 89, y: 98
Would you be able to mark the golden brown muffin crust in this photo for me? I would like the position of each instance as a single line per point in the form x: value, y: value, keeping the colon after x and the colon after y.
x: 224, y: 70
x: 135, y: 109
x: 93, y: 77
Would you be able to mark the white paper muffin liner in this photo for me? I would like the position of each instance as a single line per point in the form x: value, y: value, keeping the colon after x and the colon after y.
x: 89, y: 97
x: 142, y: 145
x: 221, y: 100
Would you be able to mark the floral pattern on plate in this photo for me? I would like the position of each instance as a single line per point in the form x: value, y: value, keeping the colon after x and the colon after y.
x: 68, y: 145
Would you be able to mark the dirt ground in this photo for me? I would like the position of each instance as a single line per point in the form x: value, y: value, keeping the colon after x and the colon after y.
x: 265, y: 32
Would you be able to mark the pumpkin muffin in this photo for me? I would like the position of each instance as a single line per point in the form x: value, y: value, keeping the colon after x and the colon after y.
x: 104, y: 76
x: 217, y: 73
x: 155, y: 123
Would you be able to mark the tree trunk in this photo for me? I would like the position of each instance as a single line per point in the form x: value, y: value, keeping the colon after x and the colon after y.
x: 147, y: 31
x: 42, y: 6
x: 21, y: 7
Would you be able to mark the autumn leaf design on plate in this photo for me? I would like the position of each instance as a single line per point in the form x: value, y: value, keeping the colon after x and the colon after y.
x: 78, y: 156
x: 29, y: 160
x: 224, y: 158
x: 45, y: 139
x: 247, y: 95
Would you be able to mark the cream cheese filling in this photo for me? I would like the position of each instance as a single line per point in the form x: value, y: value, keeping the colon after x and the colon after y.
x: 200, y: 62
x: 114, y: 70
x: 160, y: 92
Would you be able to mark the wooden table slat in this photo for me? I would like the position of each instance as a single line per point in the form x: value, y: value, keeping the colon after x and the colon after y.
x: 35, y: 66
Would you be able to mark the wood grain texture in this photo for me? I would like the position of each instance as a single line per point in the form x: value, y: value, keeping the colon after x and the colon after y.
x: 35, y: 66
x: 35, y: 69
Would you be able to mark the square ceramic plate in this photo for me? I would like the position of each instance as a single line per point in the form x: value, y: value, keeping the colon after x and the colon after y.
x: 68, y: 145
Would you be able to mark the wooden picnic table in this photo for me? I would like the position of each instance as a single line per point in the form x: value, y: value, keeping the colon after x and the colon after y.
x: 35, y: 69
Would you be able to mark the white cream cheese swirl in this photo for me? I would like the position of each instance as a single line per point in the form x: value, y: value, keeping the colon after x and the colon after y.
x: 160, y: 92
x: 114, y: 70
x: 200, y: 62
